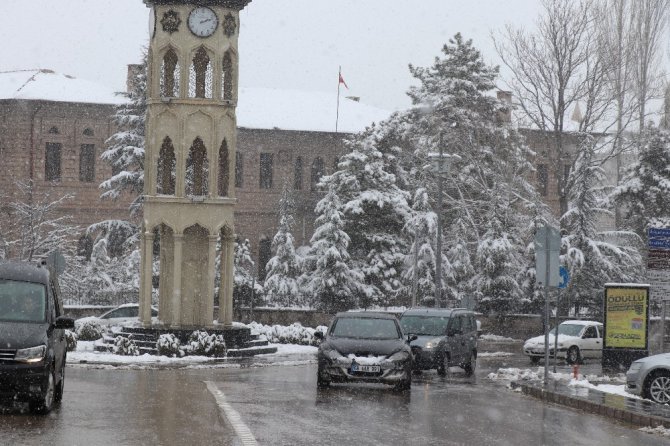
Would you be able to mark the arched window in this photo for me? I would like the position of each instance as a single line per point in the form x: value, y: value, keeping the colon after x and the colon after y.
x: 317, y: 172
x: 227, y: 77
x: 167, y: 169
x: 197, y: 169
x: 224, y: 170
x: 170, y: 75
x: 297, y: 174
x: 200, y: 76
x: 88, y: 132
x: 264, y: 255
x: 54, y: 130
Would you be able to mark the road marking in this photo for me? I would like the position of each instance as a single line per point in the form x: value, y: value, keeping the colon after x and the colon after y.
x: 234, y: 418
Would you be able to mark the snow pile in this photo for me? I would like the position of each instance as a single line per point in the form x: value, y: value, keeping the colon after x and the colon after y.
x: 362, y: 360
x: 514, y: 374
x: 495, y: 338
x: 292, y: 334
x: 660, y: 430
x: 71, y: 340
x: 493, y: 354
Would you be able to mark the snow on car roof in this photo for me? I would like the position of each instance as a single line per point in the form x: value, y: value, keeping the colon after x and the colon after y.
x: 581, y: 322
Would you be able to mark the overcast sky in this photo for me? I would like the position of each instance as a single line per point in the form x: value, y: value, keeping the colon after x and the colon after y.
x: 289, y: 44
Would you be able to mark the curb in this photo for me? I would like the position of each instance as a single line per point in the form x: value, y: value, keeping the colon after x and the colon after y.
x: 604, y: 410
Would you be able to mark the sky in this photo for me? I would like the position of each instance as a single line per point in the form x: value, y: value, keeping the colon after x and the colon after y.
x: 284, y: 44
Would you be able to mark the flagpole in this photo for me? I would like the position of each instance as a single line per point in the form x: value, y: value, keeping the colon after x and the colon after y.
x: 337, y: 116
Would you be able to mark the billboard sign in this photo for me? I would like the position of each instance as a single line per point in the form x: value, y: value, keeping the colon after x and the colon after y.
x: 626, y: 324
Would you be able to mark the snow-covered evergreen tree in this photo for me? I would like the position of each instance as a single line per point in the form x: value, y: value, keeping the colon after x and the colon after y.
x: 644, y: 192
x: 594, y: 257
x: 328, y: 281
x: 243, y: 266
x: 125, y: 148
x: 375, y: 210
x: 283, y: 270
x: 420, y: 260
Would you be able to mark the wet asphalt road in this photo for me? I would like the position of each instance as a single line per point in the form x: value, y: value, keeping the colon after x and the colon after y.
x: 280, y: 405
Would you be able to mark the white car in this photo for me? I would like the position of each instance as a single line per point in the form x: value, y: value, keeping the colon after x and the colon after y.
x: 577, y: 340
x: 121, y: 315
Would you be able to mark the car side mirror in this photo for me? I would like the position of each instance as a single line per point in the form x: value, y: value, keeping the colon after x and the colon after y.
x: 318, y: 335
x: 454, y: 332
x: 64, y: 322
x: 411, y: 337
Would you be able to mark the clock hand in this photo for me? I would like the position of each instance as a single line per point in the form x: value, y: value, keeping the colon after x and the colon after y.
x: 205, y: 21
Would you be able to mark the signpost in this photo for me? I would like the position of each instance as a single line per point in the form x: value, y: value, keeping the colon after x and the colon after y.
x: 658, y: 271
x: 547, y: 249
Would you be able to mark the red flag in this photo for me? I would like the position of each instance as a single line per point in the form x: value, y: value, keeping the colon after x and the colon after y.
x: 342, y: 81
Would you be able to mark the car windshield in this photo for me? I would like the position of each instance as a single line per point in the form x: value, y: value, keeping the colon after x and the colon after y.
x: 365, y: 328
x: 568, y: 329
x: 424, y: 325
x: 22, y: 301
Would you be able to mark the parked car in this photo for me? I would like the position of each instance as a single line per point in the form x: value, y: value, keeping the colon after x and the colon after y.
x: 122, y: 315
x: 650, y: 378
x: 577, y: 340
x: 32, y: 324
x: 365, y: 347
x: 444, y: 338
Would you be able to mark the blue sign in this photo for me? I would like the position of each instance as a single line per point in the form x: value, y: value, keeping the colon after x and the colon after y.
x: 659, y: 232
x: 659, y: 243
x: 565, y: 277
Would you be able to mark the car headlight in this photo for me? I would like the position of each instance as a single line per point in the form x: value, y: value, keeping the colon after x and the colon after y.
x: 399, y: 356
x: 634, y: 367
x: 433, y: 343
x: 32, y: 354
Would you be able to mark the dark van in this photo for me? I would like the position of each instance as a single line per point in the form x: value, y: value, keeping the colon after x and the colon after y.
x: 32, y: 336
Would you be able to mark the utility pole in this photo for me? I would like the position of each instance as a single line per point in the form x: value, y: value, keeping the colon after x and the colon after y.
x: 438, y: 254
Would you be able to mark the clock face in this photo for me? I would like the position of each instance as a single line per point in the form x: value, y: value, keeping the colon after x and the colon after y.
x: 202, y: 22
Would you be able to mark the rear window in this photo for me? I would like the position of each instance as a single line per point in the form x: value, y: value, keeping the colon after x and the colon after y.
x: 365, y: 328
x: 424, y: 325
x: 22, y: 301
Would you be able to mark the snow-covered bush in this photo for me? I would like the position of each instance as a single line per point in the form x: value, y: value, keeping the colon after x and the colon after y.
x: 125, y: 346
x: 89, y: 331
x: 202, y: 343
x: 71, y: 340
x: 168, y: 345
x: 292, y: 334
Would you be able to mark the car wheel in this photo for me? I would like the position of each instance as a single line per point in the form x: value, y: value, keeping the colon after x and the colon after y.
x: 443, y: 364
x: 320, y: 382
x: 470, y: 366
x: 58, y: 394
x: 658, y: 388
x: 535, y: 359
x: 44, y: 403
x: 573, y: 356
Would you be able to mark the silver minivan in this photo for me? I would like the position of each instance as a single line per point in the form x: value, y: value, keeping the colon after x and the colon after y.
x: 445, y: 338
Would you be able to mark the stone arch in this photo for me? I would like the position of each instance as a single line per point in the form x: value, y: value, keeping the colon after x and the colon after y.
x: 318, y: 170
x: 166, y: 169
x: 88, y: 132
x: 54, y: 130
x: 194, y: 279
x: 197, y: 169
x: 169, y: 74
x: 200, y: 78
x: 224, y: 169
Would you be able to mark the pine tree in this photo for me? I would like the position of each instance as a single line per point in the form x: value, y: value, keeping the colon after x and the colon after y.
x: 328, y: 280
x: 125, y: 148
x: 594, y: 257
x: 283, y: 270
x: 375, y: 211
x: 244, y: 280
x: 644, y: 192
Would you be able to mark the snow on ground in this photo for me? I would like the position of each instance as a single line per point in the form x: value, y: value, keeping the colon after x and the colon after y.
x: 660, y: 430
x: 495, y: 338
x: 493, y: 354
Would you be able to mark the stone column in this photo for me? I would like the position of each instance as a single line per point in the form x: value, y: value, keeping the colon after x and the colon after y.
x: 226, y: 291
x: 147, y: 244
x: 211, y: 276
x: 176, y: 280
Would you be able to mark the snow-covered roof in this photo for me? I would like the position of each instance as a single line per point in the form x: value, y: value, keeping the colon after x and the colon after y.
x: 47, y: 85
x: 267, y: 108
x: 258, y: 108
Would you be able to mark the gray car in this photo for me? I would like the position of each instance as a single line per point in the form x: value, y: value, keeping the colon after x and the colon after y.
x: 650, y: 378
x: 445, y: 338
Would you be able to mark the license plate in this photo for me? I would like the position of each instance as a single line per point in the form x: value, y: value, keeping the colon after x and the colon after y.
x: 365, y: 368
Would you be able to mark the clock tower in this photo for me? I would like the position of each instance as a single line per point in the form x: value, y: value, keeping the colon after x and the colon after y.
x: 189, y: 192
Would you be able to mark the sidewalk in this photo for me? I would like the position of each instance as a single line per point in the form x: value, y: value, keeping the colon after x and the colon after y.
x: 628, y: 410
